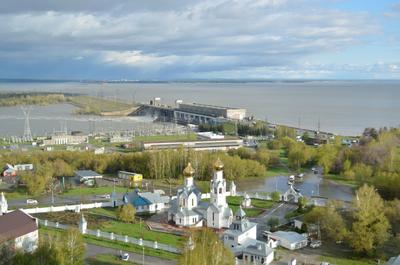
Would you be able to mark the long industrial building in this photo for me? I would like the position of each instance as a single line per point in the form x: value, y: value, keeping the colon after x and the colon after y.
x: 193, y: 113
x: 201, y: 113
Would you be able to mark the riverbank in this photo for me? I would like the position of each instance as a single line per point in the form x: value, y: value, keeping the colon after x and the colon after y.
x: 85, y: 104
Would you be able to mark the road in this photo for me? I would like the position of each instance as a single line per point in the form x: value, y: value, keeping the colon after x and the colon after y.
x: 93, y: 250
x: 279, y: 211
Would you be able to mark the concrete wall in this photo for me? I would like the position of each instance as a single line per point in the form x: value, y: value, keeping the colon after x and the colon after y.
x: 74, y: 207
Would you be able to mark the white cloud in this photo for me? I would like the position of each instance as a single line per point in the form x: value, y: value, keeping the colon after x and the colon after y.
x: 183, y: 37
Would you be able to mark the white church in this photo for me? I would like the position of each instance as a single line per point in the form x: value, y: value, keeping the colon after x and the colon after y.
x: 188, y: 209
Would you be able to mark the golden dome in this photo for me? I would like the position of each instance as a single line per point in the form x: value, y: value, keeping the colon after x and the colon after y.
x: 188, y: 171
x: 218, y: 165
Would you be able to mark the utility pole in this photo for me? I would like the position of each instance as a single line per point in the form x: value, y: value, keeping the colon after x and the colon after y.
x: 143, y: 256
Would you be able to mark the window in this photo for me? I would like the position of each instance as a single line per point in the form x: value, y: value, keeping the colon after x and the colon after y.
x: 220, y: 190
x: 213, y: 216
x: 192, y: 202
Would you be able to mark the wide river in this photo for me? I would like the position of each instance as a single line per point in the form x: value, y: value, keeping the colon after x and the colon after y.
x: 342, y: 107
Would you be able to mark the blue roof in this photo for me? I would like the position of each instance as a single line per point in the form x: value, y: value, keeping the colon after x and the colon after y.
x: 140, y: 201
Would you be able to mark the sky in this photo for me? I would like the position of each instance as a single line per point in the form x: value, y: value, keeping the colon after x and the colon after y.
x: 187, y: 39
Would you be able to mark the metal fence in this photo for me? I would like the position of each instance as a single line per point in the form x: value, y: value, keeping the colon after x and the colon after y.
x: 121, y: 238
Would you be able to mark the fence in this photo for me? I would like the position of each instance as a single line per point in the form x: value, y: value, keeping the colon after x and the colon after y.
x: 116, y: 237
x: 255, y: 195
x: 74, y: 207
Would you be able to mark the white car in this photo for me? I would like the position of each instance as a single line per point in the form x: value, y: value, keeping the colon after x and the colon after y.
x: 31, y: 201
x: 105, y: 196
x: 315, y: 244
x: 124, y: 257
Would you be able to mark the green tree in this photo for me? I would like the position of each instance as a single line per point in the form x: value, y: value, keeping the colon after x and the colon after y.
x: 73, y: 247
x: 126, y: 213
x: 299, y: 154
x: 370, y: 226
x: 392, y: 211
x: 326, y: 156
x: 331, y: 222
x: 207, y: 249
x: 276, y: 196
x: 302, y: 203
x: 6, y: 254
x: 273, y: 222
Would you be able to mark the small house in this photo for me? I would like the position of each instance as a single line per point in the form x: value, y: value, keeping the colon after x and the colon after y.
x: 146, y: 202
x: 9, y: 171
x: 288, y: 239
x: 19, y: 230
x: 133, y: 177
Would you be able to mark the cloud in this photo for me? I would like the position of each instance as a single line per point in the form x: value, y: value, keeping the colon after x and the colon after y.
x: 180, y: 37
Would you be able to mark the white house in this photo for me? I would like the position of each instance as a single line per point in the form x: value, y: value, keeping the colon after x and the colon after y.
x: 19, y: 230
x: 219, y: 214
x: 146, y: 202
x: 241, y: 239
x: 288, y: 239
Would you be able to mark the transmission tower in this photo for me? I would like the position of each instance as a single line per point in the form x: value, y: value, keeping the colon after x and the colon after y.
x: 27, y: 128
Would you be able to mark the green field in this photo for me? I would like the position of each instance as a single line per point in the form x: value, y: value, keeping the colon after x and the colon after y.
x: 342, y: 180
x: 114, y: 244
x: 107, y: 259
x: 17, y: 193
x: 345, y: 261
x: 93, y: 105
x: 259, y: 206
x: 140, y: 230
x: 277, y: 171
x: 93, y: 191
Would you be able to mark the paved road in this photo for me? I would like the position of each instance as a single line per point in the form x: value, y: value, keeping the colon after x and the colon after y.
x: 279, y: 211
x: 93, y: 250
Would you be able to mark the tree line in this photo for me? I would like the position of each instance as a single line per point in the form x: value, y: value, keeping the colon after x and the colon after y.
x: 365, y: 225
x: 163, y: 164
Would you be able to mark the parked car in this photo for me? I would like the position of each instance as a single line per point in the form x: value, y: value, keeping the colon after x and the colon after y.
x: 315, y: 244
x: 325, y: 263
x: 124, y: 257
x: 105, y: 196
x: 31, y: 201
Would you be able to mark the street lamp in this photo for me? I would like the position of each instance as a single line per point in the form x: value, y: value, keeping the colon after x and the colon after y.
x: 143, y: 256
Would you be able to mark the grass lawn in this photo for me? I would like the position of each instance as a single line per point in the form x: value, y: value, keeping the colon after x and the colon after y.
x: 140, y: 230
x: 258, y: 205
x: 342, y: 180
x: 107, y: 211
x: 93, y: 191
x: 18, y: 193
x: 345, y: 261
x: 107, y: 259
x: 277, y: 171
x: 100, y: 104
x: 113, y: 244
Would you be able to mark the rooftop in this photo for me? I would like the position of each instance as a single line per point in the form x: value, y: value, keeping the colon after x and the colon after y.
x: 16, y: 224
x: 208, y: 106
x: 289, y: 236
x: 87, y: 173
